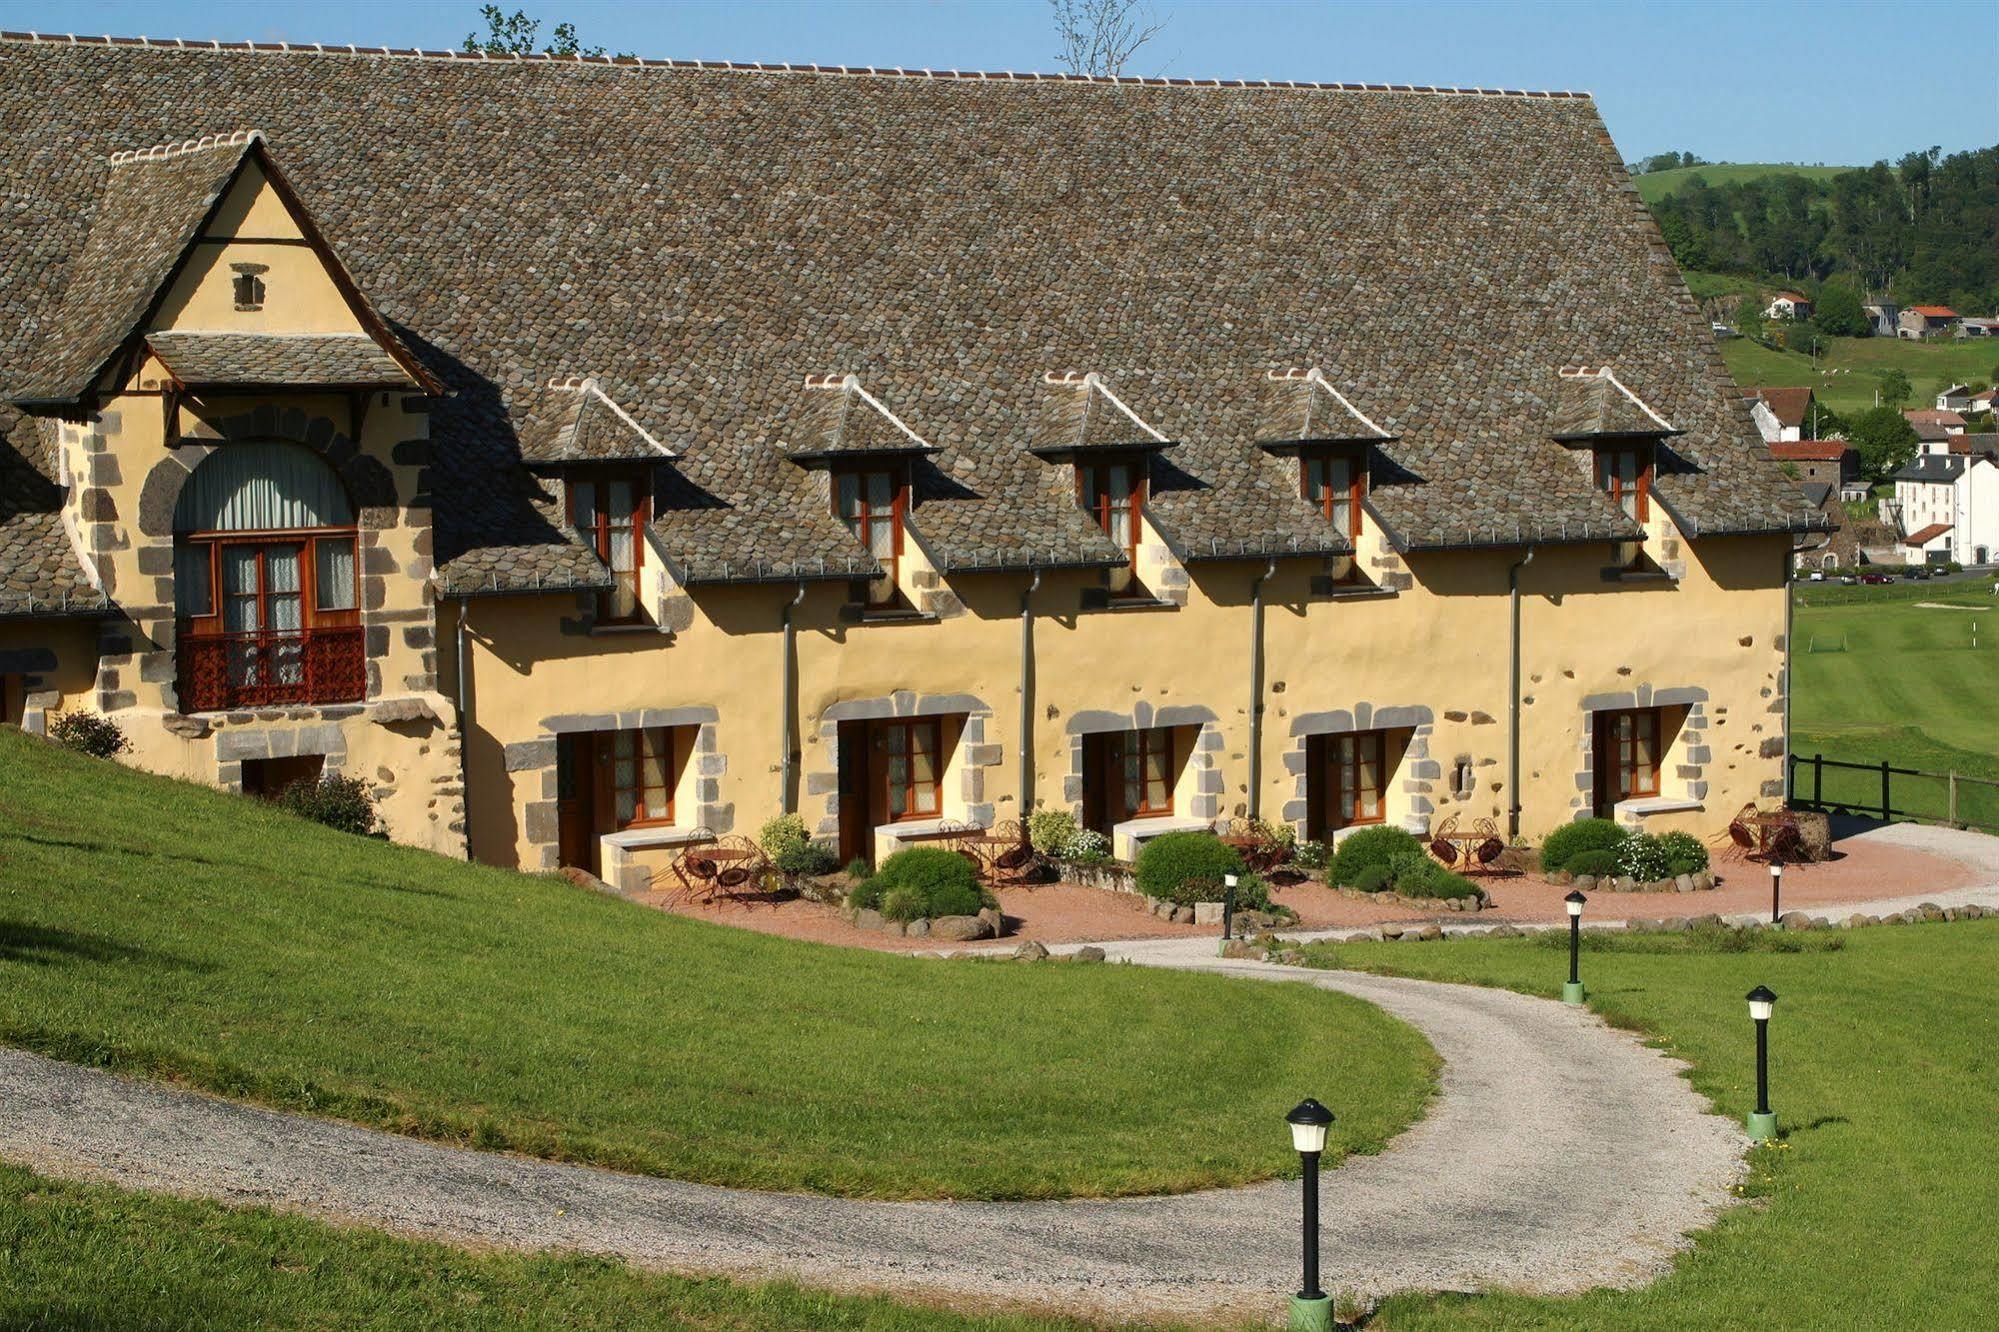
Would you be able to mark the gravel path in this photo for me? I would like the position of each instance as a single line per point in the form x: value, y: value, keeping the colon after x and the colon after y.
x: 1558, y: 1156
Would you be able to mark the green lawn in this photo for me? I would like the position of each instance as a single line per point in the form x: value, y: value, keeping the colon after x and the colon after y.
x: 174, y: 931
x: 86, y: 1257
x: 1876, y: 1208
x: 1656, y: 185
x: 1878, y: 676
x: 1848, y: 374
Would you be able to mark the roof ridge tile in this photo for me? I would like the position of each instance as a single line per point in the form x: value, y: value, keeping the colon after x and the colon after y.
x: 772, y: 67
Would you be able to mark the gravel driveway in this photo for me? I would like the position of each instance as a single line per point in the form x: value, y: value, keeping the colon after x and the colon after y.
x: 1559, y: 1155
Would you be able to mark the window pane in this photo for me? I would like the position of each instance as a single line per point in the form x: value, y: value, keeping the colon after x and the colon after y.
x: 619, y: 503
x: 239, y: 586
x: 583, y: 504
x: 334, y: 573
x: 846, y: 494
x: 193, y: 594
x: 881, y: 491
x: 627, y: 806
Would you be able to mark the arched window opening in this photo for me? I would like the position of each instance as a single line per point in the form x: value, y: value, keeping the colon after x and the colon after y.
x: 264, y: 581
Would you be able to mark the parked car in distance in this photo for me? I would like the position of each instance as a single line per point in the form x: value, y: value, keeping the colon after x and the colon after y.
x: 1818, y: 575
x: 1849, y: 579
x: 1876, y: 578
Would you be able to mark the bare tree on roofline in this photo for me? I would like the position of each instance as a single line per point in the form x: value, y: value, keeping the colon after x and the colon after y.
x: 1100, y: 36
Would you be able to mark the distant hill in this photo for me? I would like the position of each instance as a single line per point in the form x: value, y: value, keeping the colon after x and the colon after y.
x: 1656, y: 185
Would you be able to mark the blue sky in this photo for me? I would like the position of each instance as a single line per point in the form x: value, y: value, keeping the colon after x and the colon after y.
x: 1871, y: 79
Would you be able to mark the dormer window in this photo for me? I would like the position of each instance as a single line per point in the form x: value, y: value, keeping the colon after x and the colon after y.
x: 249, y: 286
x: 1114, y: 493
x: 871, y: 503
x: 609, y: 509
x: 1335, y: 483
x: 1625, y: 474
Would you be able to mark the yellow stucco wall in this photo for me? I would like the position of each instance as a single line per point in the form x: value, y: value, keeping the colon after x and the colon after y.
x: 1711, y: 635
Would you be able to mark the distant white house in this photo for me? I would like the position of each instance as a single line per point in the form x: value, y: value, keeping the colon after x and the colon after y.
x: 1956, y: 398
x: 1885, y: 318
x: 1927, y: 321
x: 1978, y: 328
x: 1783, y: 414
x: 1788, y: 305
x: 1947, y: 508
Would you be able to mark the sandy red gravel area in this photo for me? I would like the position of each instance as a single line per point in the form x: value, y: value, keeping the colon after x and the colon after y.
x: 1862, y: 870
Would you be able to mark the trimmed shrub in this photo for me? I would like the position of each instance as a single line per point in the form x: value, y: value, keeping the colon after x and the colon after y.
x: 785, y: 833
x: 1685, y: 853
x: 857, y: 869
x: 1417, y: 875
x: 1644, y: 858
x: 1373, y: 879
x: 922, y: 882
x: 1312, y: 856
x: 88, y: 733
x: 1602, y: 864
x: 1277, y: 834
x: 1582, y: 835
x: 1378, y: 845
x: 1177, y: 863
x: 335, y: 800
x: 1051, y: 831
x: 806, y: 861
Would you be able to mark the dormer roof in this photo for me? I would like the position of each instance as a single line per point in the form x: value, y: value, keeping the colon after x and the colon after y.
x: 1301, y: 407
x: 156, y: 203
x: 1592, y: 405
x: 1079, y: 414
x: 838, y: 420
x: 575, y: 421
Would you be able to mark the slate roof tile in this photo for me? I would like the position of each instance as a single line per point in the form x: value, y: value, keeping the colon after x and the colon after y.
x: 247, y: 359
x: 948, y: 241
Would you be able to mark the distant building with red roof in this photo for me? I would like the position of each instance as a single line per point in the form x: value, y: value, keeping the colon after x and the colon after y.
x: 1927, y: 321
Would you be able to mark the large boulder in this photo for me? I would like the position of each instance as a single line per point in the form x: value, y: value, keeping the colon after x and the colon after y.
x: 960, y: 929
x: 1030, y: 951
x: 1815, y: 832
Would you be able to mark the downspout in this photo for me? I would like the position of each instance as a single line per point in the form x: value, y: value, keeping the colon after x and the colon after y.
x: 1256, y: 687
x: 788, y: 769
x: 463, y: 670
x: 1513, y: 698
x: 1027, y: 697
x: 1790, y: 560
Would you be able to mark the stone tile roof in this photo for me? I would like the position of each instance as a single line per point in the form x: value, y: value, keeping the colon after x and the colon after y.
x: 1300, y: 406
x: 335, y: 360
x: 39, y: 570
x: 949, y: 241
x: 575, y: 421
x: 836, y: 418
x: 1595, y: 405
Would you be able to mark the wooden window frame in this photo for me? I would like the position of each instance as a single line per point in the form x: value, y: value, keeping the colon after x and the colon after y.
x: 1337, y: 789
x: 1103, y: 508
x: 1610, y: 481
x: 311, y: 614
x: 1145, y: 744
x: 1356, y: 487
x: 1622, y: 753
x: 647, y: 815
x: 884, y: 593
x: 913, y: 809
x: 599, y: 534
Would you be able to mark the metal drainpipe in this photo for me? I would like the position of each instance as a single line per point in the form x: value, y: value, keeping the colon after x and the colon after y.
x: 786, y: 770
x: 1256, y: 688
x: 1790, y: 558
x: 1027, y: 697
x: 464, y: 673
x: 1513, y: 699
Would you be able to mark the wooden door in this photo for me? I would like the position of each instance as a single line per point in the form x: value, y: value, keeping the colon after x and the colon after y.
x: 856, y: 793
x: 576, y: 803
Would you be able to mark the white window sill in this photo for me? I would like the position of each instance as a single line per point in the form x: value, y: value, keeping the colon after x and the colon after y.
x: 1637, y: 810
x: 638, y: 839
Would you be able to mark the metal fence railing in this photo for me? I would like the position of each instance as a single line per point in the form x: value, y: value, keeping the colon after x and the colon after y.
x: 1886, y: 792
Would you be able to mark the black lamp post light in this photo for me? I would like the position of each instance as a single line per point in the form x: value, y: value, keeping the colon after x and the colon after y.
x: 1229, y: 882
x: 1311, y: 1307
x: 1572, y: 989
x: 1762, y: 1123
x: 1776, y: 888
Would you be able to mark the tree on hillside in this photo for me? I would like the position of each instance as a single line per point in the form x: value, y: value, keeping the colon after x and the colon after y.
x: 1884, y: 438
x: 1895, y: 387
x: 1839, y: 313
x: 1100, y: 36
x: 1749, y: 316
x: 515, y: 34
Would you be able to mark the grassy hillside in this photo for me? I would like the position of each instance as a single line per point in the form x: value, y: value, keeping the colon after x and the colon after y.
x: 1656, y: 185
x: 1883, y: 677
x: 174, y: 931
x: 1848, y: 374
x: 1874, y: 1211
